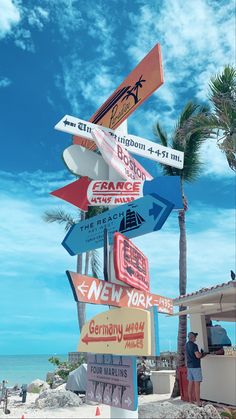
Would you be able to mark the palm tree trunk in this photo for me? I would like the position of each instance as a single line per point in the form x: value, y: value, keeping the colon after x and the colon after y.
x: 182, y: 329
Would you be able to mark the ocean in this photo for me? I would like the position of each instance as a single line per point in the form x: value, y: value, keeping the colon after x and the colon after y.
x: 23, y: 369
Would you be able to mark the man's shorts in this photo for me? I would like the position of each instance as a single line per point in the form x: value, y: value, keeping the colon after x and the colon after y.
x: 194, y: 374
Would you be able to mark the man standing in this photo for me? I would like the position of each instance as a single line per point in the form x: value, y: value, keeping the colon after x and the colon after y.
x: 193, y: 367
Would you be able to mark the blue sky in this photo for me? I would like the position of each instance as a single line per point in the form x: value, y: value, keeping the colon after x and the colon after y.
x: 66, y: 57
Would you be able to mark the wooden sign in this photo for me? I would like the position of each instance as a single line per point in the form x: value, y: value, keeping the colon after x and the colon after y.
x: 84, y: 192
x: 134, y: 219
x: 136, y: 88
x: 133, y: 143
x: 130, y: 264
x: 91, y: 290
x: 83, y: 162
x: 112, y: 380
x: 121, y: 331
x: 118, y: 158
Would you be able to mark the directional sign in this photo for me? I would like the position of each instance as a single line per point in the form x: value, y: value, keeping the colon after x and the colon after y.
x: 112, y: 380
x: 95, y: 291
x: 85, y: 163
x: 140, y: 217
x: 117, y: 157
x: 137, y: 87
x: 84, y: 192
x: 132, y: 143
x: 121, y: 331
x: 131, y: 266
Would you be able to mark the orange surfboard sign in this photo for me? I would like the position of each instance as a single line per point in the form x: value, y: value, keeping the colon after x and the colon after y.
x: 146, y: 77
x: 95, y: 291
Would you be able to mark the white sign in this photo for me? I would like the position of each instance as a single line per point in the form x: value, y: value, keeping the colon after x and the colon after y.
x: 132, y: 143
x: 117, y: 157
x: 83, y: 162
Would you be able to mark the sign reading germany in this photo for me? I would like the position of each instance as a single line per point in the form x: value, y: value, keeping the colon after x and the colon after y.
x: 122, y: 331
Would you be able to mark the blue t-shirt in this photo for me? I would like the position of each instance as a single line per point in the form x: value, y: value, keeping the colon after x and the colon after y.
x: 192, y: 360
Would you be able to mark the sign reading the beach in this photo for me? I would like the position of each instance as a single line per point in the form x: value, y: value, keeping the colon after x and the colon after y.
x: 140, y: 217
x: 84, y: 192
x: 121, y: 331
x: 116, y: 156
x: 130, y: 264
x: 112, y: 380
x: 137, y: 87
x: 91, y: 290
x: 83, y: 162
x: 132, y: 143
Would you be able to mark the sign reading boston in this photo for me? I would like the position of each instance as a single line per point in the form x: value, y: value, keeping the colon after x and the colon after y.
x: 137, y: 87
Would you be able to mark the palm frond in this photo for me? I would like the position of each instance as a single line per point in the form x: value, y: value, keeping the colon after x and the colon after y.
x: 59, y: 216
x: 162, y: 136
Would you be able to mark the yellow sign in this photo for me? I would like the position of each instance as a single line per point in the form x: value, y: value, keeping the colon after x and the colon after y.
x: 122, y: 331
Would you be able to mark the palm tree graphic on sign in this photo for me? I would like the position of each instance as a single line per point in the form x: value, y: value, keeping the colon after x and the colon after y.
x: 134, y: 90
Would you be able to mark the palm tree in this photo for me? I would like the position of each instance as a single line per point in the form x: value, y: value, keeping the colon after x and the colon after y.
x: 190, y: 144
x: 221, y: 122
x: 91, y: 257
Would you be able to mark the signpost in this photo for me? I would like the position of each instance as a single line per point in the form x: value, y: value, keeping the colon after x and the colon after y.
x: 122, y: 331
x: 84, y: 192
x: 140, y: 217
x: 112, y: 380
x: 137, y: 87
x: 131, y: 266
x: 95, y: 291
x: 132, y: 143
x: 116, y: 156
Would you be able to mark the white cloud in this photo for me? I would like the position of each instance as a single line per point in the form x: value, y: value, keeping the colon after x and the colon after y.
x: 9, y: 17
x: 5, y: 82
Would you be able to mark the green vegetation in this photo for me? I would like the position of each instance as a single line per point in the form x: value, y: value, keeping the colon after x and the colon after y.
x: 65, y: 367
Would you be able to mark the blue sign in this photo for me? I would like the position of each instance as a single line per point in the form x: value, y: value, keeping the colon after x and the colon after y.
x: 135, y: 219
x: 167, y: 187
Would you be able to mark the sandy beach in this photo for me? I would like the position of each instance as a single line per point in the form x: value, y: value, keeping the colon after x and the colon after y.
x: 28, y: 409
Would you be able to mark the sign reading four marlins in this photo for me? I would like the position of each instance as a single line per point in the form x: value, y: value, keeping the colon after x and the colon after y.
x: 122, y: 331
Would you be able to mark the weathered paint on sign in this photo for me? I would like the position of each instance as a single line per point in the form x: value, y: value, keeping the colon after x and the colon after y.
x: 137, y: 87
x: 112, y: 380
x: 118, y: 158
x: 130, y: 264
x: 95, y: 291
x: 133, y: 143
x: 122, y: 331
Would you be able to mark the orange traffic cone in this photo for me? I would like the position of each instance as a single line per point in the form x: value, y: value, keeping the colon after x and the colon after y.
x: 98, y: 413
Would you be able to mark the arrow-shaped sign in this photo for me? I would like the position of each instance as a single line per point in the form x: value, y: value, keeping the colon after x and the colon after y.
x: 135, y: 219
x: 116, y: 156
x: 83, y: 162
x: 134, y: 144
x: 84, y: 192
x: 95, y: 291
x: 128, y: 336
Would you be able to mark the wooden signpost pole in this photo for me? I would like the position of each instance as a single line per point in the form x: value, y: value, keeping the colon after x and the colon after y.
x: 116, y: 412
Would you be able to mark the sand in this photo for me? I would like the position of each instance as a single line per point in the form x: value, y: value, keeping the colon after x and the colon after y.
x: 28, y: 409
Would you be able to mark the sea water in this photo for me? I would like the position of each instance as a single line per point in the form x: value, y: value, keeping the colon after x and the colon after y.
x: 23, y: 369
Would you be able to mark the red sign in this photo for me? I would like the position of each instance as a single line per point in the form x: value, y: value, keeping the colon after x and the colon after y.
x: 84, y: 192
x: 91, y: 290
x: 136, y: 88
x: 130, y: 264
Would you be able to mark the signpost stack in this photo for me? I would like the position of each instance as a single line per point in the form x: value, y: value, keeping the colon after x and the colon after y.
x: 139, y: 205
